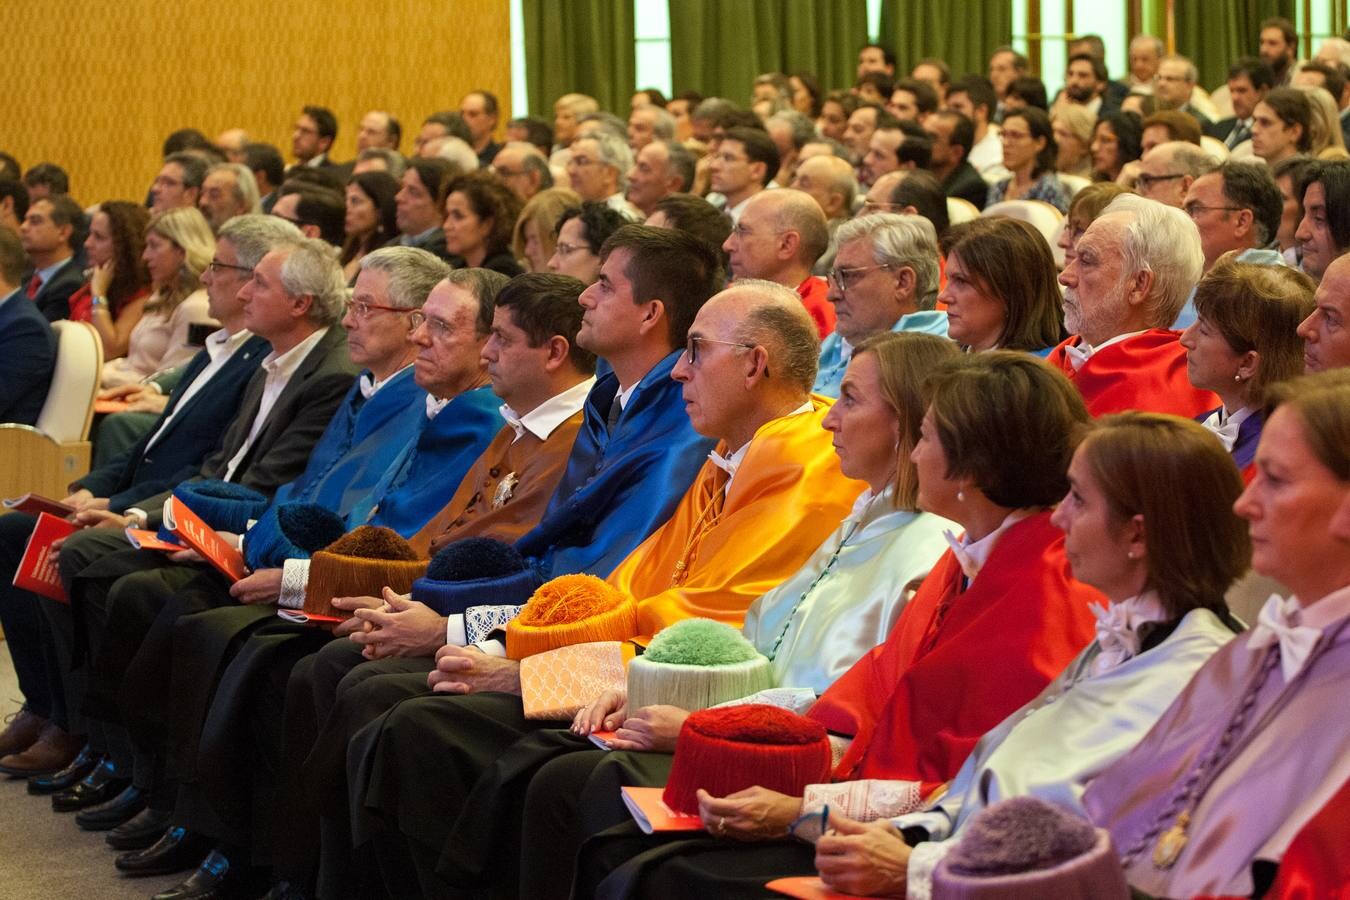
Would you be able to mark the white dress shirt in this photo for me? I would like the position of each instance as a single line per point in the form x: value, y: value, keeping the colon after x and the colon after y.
x: 279, y: 369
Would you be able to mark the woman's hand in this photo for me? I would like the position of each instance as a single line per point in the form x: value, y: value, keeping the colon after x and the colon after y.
x: 605, y: 714
x: 652, y: 728
x: 101, y: 279
x: 754, y: 814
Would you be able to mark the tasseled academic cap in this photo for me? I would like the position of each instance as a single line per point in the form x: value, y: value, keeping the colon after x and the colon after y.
x: 571, y: 609
x: 475, y: 572
x: 290, y: 531
x: 222, y: 505
x: 1027, y: 847
x: 731, y: 748
x: 360, y: 564
x: 694, y: 664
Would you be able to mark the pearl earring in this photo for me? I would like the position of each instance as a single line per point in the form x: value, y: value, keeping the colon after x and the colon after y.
x: 1131, y: 555
x: 961, y: 496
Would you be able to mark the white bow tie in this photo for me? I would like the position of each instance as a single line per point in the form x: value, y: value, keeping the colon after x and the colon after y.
x: 1078, y: 354
x: 1296, y: 641
x: 1118, y: 641
x: 969, y: 566
x: 1225, y: 429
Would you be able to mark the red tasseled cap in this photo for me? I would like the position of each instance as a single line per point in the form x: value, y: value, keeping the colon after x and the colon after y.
x: 729, y: 749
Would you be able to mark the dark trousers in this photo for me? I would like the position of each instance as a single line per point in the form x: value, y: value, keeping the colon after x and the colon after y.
x: 26, y: 635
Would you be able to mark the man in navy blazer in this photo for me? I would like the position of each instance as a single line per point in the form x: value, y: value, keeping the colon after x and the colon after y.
x: 51, y: 230
x: 27, y: 343
x: 205, y: 401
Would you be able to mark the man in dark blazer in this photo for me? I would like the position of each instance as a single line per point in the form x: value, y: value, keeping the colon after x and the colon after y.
x: 420, y: 207
x: 208, y: 394
x: 51, y: 230
x: 953, y: 135
x: 287, y: 404
x: 27, y: 343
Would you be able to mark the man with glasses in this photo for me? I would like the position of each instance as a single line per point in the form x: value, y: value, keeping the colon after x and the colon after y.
x: 207, y: 396
x: 523, y: 168
x: 598, y: 170
x: 313, y: 136
x: 179, y: 182
x: 762, y: 501
x: 780, y: 236
x: 292, y: 299
x: 1167, y: 171
x: 885, y: 278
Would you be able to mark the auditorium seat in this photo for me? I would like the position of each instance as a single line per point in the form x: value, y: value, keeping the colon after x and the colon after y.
x: 45, y: 458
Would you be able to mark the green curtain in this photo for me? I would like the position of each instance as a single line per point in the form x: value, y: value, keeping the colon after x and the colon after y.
x: 717, y: 47
x: 581, y: 46
x: 963, y: 32
x: 1213, y: 35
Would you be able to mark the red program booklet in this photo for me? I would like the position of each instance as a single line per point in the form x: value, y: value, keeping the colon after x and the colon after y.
x: 36, y: 571
x: 36, y: 503
x: 651, y: 813
x: 199, y: 536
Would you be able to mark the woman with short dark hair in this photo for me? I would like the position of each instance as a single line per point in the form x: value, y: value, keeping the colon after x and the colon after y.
x: 480, y: 214
x: 1030, y: 154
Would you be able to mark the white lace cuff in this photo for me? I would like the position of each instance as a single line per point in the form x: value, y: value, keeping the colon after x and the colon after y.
x: 294, y: 578
x: 923, y: 859
x: 797, y: 700
x: 866, y: 800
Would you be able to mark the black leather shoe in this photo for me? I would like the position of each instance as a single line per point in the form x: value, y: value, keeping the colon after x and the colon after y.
x: 113, y: 812
x: 285, y: 890
x: 68, y: 777
x: 177, y: 850
x: 214, y: 879
x: 99, y: 786
x: 140, y: 831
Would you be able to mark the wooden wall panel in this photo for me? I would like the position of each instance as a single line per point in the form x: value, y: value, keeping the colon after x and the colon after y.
x: 96, y: 85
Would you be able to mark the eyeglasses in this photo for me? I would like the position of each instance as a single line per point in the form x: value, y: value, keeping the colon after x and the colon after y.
x: 216, y: 266
x: 845, y: 278
x: 1195, y: 209
x: 569, y: 249
x: 440, y: 329
x: 1144, y: 182
x: 360, y: 309
x: 691, y: 348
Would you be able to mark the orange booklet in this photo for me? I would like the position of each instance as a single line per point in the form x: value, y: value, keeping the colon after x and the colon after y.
x: 36, y: 571
x: 111, y: 406
x: 199, y: 536
x: 652, y: 814
x: 143, y: 539
x: 601, y: 739
x: 805, y: 887
x: 300, y: 617
x: 36, y: 503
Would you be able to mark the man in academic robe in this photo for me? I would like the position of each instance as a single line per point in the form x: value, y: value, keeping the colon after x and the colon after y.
x: 207, y: 396
x: 774, y: 476
x: 404, y: 469
x: 1122, y: 354
x: 634, y: 457
x: 885, y: 278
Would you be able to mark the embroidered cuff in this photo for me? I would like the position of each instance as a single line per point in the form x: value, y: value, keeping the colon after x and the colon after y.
x: 796, y: 700
x: 866, y: 800
x: 294, y: 578
x: 481, y: 621
x: 923, y: 859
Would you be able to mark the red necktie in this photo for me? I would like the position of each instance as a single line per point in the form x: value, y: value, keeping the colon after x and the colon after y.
x: 34, y: 286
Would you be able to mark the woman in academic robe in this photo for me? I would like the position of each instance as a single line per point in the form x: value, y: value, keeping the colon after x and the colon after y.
x: 997, y: 618
x: 1257, y: 743
x: 812, y: 627
x: 1244, y: 339
x: 992, y: 305
x: 1148, y: 520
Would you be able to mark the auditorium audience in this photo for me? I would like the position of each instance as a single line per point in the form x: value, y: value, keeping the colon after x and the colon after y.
x: 1202, y: 294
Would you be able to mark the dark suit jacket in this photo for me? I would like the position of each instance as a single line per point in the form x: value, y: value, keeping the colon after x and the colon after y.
x: 27, y: 358
x: 1205, y: 121
x: 54, y: 299
x: 1114, y: 95
x: 289, y: 433
x: 434, y: 242
x: 967, y: 184
x: 195, y: 431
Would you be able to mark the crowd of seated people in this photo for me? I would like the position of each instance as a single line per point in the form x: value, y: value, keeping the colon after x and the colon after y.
x: 859, y: 469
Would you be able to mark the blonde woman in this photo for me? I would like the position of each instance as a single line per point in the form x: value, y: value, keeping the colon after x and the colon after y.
x: 1073, y: 126
x: 1327, y: 140
x: 536, y: 233
x: 178, y: 248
